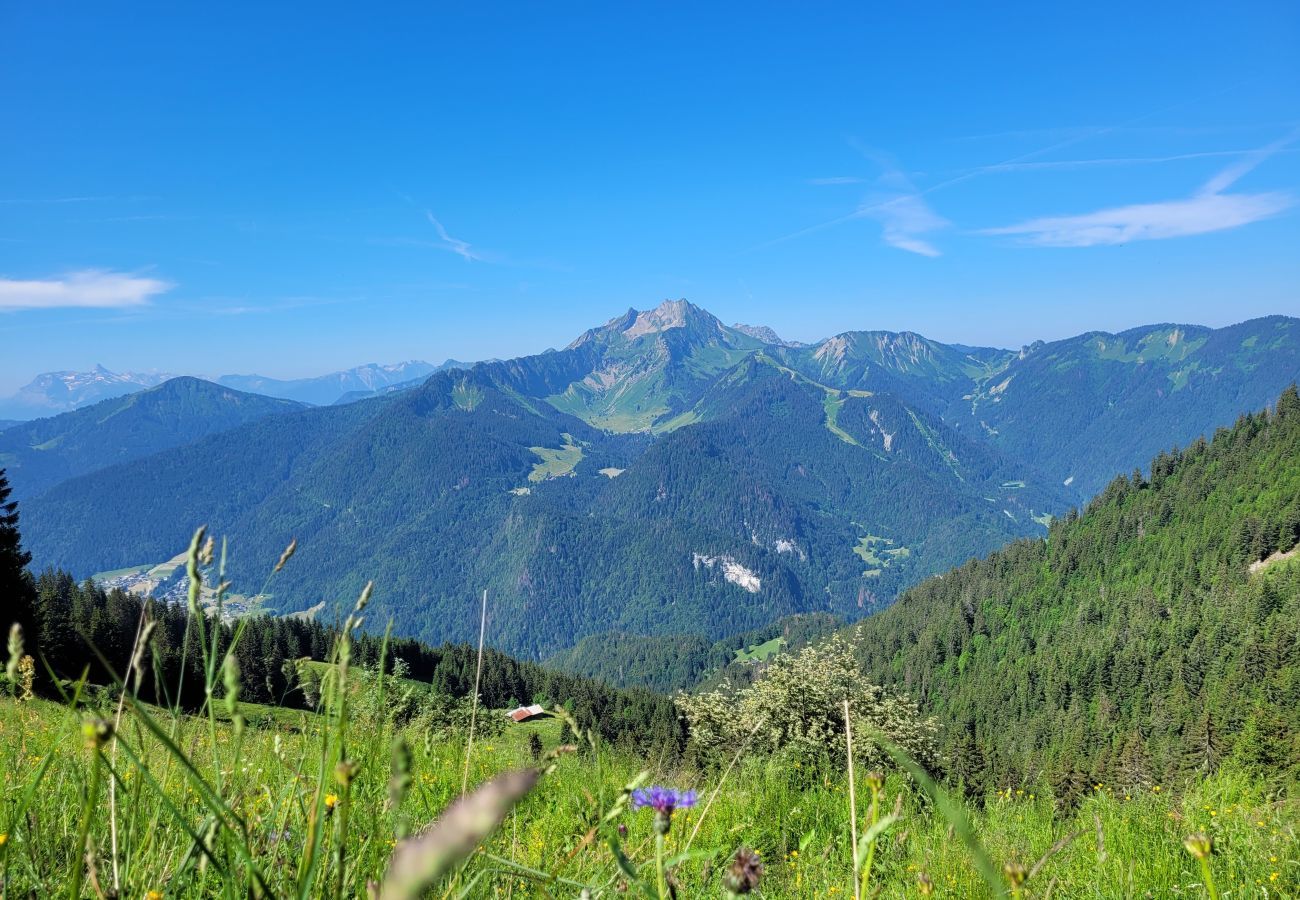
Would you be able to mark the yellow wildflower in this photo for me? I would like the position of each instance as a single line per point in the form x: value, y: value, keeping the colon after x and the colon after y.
x: 331, y: 801
x: 4, y: 839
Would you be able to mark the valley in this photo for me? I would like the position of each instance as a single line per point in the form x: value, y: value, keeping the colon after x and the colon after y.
x: 661, y: 455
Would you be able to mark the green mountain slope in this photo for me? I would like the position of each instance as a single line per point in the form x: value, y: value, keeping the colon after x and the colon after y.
x: 41, y: 453
x: 1153, y: 635
x: 642, y: 369
x: 673, y: 662
x: 664, y: 474
x: 762, y: 511
x: 1085, y: 408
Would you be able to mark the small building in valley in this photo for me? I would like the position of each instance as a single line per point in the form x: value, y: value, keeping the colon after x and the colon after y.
x: 524, y: 713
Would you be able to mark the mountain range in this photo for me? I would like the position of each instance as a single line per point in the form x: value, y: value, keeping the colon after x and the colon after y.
x: 53, y: 393
x: 39, y: 454
x: 663, y: 474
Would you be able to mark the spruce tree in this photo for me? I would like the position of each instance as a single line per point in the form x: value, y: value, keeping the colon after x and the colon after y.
x: 15, y: 584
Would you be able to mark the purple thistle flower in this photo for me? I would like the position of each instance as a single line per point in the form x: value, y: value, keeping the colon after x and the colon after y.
x: 662, y: 800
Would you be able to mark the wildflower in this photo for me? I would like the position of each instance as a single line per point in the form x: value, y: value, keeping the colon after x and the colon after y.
x: 1273, y: 876
x: 924, y: 884
x: 97, y: 732
x: 663, y: 801
x: 743, y: 874
x: 1199, y: 845
x: 331, y: 801
x: 4, y: 839
x: 1016, y: 873
x: 153, y: 895
x: 345, y: 771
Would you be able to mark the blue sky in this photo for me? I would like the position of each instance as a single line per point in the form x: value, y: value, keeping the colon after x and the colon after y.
x: 291, y: 189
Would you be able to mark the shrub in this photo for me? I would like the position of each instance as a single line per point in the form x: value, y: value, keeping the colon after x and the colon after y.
x: 798, y: 706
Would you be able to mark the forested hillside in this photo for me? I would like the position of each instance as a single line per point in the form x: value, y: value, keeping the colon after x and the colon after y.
x: 787, y: 499
x: 674, y: 662
x: 44, y: 452
x: 76, y: 628
x: 1157, y: 634
x: 665, y: 474
x: 1090, y: 406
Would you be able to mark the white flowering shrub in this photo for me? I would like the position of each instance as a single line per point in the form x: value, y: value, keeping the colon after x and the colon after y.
x: 798, y: 705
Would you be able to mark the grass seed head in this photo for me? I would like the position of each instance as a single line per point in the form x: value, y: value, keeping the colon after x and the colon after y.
x: 15, y: 652
x: 1200, y: 845
x: 286, y: 555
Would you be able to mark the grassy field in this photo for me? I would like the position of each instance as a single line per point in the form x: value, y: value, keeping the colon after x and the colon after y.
x: 269, y: 804
x: 388, y: 790
x: 879, y: 553
x: 555, y: 463
x: 760, y: 652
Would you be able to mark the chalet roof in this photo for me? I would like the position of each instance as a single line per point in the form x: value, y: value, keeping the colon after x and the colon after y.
x: 525, y: 712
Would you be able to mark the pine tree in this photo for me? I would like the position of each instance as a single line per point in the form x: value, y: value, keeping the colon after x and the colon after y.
x: 966, y: 762
x: 16, y: 592
x: 1134, y: 770
x: 1204, y: 747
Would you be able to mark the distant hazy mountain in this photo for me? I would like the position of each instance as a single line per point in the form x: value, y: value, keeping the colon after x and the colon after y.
x: 39, y: 454
x: 58, y: 392
x: 766, y: 335
x: 668, y: 474
x: 354, y: 396
x: 5, y: 423
x: 326, y: 389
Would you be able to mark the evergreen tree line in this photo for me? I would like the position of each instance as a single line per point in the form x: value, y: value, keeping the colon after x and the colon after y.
x: 81, y: 629
x: 1153, y: 637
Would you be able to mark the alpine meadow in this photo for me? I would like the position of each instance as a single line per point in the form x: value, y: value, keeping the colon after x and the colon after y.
x: 370, y: 527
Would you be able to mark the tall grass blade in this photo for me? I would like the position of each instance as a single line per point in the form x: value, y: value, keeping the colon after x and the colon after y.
x: 421, y: 862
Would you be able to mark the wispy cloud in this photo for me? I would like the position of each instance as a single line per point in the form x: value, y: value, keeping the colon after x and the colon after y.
x: 903, y: 214
x: 455, y: 245
x: 86, y: 289
x: 1201, y: 214
x: 1210, y: 209
x: 1104, y: 162
x: 1061, y: 139
x: 88, y: 198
